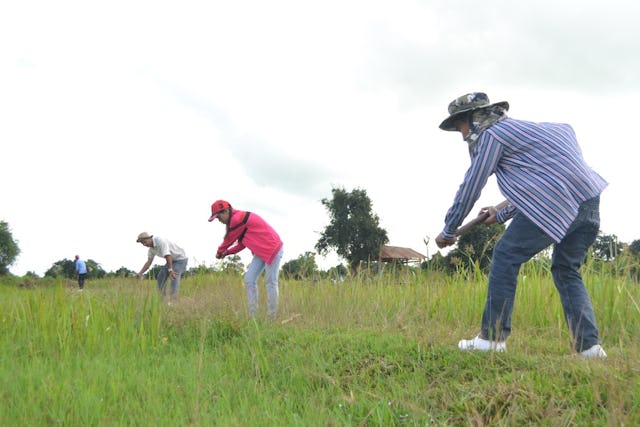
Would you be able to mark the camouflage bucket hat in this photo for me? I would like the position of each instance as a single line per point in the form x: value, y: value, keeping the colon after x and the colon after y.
x: 469, y: 102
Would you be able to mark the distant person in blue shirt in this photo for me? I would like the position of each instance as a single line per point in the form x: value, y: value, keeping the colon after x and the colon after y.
x: 554, y: 199
x: 81, y: 271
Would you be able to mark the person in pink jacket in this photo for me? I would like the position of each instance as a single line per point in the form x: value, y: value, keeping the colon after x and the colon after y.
x: 248, y: 230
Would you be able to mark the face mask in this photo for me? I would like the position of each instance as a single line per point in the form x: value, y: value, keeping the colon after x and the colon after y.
x: 481, y: 119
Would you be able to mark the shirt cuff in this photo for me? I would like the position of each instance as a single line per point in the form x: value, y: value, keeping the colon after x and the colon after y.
x: 505, y: 214
x: 447, y: 236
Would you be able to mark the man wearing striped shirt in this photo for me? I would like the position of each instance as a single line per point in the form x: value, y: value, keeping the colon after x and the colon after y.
x: 554, y: 199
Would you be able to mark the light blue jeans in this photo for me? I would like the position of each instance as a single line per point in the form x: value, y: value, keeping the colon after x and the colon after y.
x: 519, y: 243
x: 178, y: 266
x: 254, y: 269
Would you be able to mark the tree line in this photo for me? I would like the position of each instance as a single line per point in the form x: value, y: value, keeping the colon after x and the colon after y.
x: 354, y: 233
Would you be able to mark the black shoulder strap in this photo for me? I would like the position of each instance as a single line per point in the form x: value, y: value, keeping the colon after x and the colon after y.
x: 245, y: 218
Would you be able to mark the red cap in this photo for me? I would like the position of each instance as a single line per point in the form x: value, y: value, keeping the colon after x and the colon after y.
x: 77, y: 257
x: 217, y: 207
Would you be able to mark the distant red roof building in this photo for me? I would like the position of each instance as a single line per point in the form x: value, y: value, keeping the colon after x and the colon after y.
x: 400, y: 255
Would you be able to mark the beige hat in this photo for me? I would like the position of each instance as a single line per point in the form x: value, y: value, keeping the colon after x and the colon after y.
x: 143, y: 235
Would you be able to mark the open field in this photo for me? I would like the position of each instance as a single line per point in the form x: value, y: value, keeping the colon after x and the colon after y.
x: 375, y: 351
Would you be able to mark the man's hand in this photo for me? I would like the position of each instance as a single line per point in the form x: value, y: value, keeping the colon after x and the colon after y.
x: 443, y: 243
x: 492, y: 211
x: 220, y: 255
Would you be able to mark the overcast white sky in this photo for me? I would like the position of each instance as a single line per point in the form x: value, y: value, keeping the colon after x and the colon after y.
x: 127, y: 116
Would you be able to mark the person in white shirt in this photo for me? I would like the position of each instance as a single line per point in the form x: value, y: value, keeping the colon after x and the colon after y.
x: 174, y: 255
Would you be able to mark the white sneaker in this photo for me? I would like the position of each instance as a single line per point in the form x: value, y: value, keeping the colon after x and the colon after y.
x: 482, y: 345
x: 595, y: 352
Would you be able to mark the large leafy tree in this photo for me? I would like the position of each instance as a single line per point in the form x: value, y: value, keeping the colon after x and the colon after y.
x: 9, y: 249
x: 353, y: 230
x: 63, y: 268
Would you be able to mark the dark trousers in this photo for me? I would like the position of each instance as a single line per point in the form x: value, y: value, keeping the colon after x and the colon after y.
x: 519, y: 243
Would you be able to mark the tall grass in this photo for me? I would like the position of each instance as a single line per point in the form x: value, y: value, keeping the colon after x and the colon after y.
x: 373, y: 350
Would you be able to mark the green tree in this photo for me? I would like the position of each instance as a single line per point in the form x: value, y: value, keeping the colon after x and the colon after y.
x: 338, y: 273
x: 153, y: 271
x: 9, y: 249
x: 302, y: 267
x: 232, y: 264
x: 200, y: 270
x: 476, y: 247
x: 607, y: 247
x: 63, y: 268
x: 353, y: 230
x: 634, y: 247
x: 437, y: 262
x: 67, y: 268
x: 94, y: 270
x: 122, y: 272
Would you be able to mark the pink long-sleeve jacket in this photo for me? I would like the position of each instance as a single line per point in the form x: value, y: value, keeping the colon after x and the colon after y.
x: 249, y: 230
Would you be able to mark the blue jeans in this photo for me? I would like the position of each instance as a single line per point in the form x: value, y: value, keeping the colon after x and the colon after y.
x: 178, y: 267
x: 271, y: 283
x: 519, y: 243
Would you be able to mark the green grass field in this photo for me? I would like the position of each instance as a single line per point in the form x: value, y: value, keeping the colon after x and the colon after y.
x: 378, y: 351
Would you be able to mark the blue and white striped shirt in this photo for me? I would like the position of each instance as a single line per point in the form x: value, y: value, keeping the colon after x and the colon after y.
x: 539, y: 169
